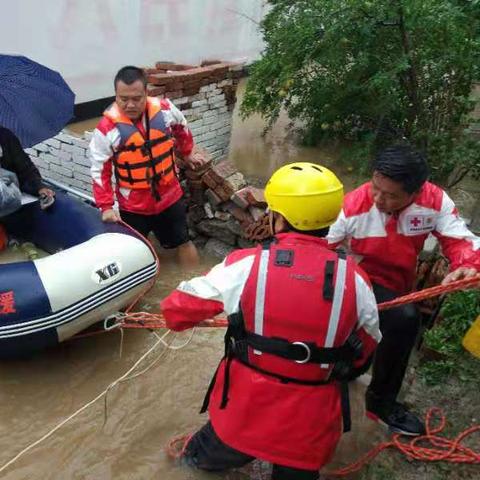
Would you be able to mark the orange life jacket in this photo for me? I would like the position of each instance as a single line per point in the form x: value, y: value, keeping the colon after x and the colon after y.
x: 143, y: 161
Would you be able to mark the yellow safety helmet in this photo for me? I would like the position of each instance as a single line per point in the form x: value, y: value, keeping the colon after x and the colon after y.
x: 309, y: 196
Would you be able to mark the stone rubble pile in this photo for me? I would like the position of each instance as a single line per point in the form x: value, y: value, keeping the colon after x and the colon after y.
x: 224, y: 212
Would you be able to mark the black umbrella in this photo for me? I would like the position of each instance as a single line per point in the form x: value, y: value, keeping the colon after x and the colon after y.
x: 35, y: 102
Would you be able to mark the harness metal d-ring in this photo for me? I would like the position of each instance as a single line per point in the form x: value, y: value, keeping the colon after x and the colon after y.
x: 307, y: 348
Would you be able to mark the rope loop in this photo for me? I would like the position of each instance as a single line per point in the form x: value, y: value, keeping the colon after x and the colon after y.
x: 112, y: 321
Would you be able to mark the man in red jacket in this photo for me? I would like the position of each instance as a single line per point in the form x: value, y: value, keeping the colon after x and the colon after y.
x: 302, y: 321
x: 384, y: 224
x: 137, y: 138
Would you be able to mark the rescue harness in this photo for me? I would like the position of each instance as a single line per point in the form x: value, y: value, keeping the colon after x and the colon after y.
x: 238, y: 339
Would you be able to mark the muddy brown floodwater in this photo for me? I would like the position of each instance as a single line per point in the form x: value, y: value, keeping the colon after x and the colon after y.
x: 258, y: 155
x: 144, y: 413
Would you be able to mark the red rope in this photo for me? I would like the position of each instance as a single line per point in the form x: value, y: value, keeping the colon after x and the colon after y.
x: 432, y: 292
x: 151, y: 321
x: 426, y: 448
x: 177, y: 446
x: 156, y: 320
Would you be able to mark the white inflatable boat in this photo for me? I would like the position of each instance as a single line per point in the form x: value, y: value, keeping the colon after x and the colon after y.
x: 94, y: 269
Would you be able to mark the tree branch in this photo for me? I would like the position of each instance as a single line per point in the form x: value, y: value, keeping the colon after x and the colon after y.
x: 412, y: 78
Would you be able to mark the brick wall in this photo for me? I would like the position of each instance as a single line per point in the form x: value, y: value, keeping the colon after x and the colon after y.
x: 205, y: 94
x: 64, y: 158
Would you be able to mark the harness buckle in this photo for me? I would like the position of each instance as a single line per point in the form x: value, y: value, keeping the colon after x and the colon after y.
x: 307, y: 348
x: 238, y: 348
x: 356, y: 344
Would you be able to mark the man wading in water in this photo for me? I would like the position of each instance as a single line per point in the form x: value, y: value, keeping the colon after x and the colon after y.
x: 137, y: 137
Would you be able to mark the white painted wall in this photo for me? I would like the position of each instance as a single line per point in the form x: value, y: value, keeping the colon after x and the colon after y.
x: 87, y: 41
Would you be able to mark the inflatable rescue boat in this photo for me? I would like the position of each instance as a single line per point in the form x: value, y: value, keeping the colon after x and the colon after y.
x: 93, y: 269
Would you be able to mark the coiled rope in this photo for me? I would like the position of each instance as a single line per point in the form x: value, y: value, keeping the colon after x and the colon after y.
x: 426, y: 448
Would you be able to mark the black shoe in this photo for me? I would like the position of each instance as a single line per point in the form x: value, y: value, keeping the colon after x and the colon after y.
x: 396, y: 417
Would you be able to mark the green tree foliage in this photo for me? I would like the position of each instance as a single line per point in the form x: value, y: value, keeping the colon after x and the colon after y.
x: 347, y: 67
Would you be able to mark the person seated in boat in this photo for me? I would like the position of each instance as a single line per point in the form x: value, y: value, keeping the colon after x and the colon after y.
x: 294, y: 337
x: 384, y: 223
x: 139, y: 137
x: 14, y: 159
x: 18, y: 174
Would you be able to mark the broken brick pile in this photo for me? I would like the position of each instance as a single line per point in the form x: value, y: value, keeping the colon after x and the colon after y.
x: 224, y: 212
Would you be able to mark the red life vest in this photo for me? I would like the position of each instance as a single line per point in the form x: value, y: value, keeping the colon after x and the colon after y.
x: 143, y: 161
x: 308, y: 343
x: 316, y: 329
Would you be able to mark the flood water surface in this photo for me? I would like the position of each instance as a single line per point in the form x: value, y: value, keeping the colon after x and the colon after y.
x: 258, y: 153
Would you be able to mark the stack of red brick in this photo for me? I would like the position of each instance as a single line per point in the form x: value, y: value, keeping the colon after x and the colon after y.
x: 173, y: 80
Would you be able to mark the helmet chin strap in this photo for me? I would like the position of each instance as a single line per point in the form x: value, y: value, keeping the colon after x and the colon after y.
x: 271, y: 222
x: 277, y: 223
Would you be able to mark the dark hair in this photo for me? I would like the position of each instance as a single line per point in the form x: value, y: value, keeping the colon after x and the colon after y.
x: 402, y: 164
x: 130, y: 74
x: 320, y: 233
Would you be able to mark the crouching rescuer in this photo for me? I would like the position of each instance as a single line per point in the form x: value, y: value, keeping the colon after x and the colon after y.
x: 302, y: 322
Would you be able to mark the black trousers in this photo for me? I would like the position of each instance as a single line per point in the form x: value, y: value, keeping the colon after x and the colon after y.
x: 170, y: 226
x: 399, y: 327
x: 207, y: 452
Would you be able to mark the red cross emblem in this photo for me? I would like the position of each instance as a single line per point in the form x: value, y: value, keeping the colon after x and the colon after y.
x: 7, y: 302
x: 415, y: 221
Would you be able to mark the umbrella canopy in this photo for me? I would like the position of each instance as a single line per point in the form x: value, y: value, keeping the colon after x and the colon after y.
x: 35, y: 102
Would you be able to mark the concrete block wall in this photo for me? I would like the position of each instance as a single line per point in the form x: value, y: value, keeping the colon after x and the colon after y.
x: 64, y: 158
x: 205, y: 94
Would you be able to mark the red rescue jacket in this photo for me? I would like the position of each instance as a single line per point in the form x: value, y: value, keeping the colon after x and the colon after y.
x: 387, y: 245
x: 109, y: 136
x: 283, y: 293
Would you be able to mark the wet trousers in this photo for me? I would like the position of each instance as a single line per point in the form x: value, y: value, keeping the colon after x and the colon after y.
x: 399, y: 327
x: 207, y: 452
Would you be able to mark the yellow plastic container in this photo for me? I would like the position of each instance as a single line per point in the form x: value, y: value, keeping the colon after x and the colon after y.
x: 471, y: 340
